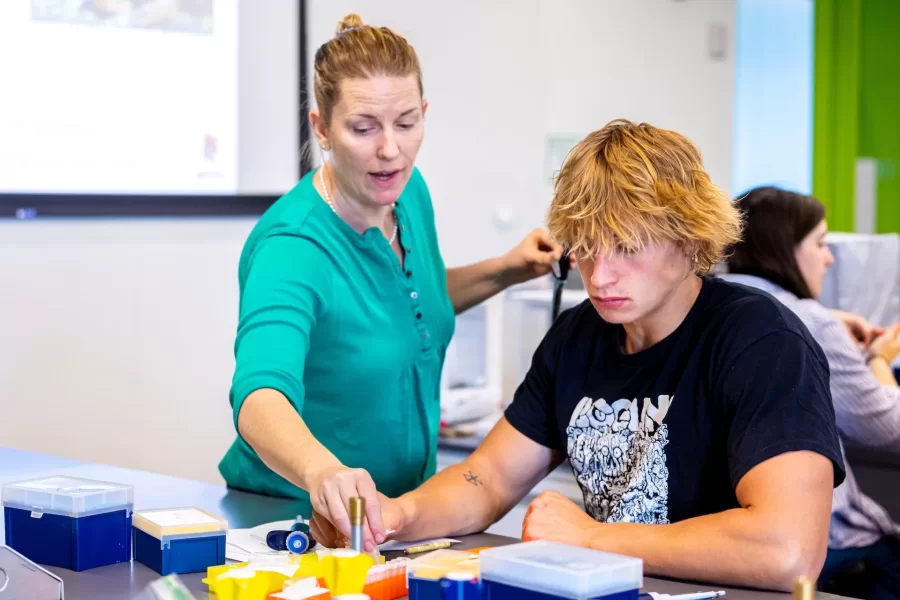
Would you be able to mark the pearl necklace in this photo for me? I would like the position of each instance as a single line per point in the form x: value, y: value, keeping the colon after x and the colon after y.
x: 334, y: 209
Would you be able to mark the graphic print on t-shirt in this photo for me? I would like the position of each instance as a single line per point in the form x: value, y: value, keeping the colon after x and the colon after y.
x: 618, y: 454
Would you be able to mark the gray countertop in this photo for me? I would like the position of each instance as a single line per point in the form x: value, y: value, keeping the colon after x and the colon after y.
x: 241, y: 509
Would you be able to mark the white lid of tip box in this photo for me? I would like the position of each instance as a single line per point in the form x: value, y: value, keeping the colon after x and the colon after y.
x: 68, y: 496
x: 561, y: 570
x: 177, y: 521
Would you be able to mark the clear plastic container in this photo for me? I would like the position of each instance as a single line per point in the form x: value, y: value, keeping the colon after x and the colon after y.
x: 68, y: 496
x: 561, y: 570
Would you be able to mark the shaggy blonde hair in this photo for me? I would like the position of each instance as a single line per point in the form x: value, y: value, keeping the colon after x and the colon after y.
x: 629, y: 185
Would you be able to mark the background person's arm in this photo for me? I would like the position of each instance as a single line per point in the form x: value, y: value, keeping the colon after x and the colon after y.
x: 884, y: 349
x: 779, y: 534
x: 865, y: 395
x: 473, y: 284
x: 860, y: 330
x: 882, y: 371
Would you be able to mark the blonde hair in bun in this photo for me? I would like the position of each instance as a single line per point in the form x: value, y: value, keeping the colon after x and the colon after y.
x: 351, y: 21
x: 360, y: 51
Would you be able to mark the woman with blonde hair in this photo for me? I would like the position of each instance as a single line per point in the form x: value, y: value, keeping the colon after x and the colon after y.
x: 346, y: 308
x: 695, y: 413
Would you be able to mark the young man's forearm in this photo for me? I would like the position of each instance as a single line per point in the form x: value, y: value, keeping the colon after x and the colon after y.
x: 457, y: 501
x: 472, y: 495
x: 735, y: 547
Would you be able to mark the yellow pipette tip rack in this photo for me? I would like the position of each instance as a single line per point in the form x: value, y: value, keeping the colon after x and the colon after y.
x: 344, y: 571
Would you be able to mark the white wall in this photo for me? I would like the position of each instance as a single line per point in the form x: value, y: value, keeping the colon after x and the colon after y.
x: 115, y: 340
x: 644, y: 60
x: 503, y: 76
x: 116, y: 336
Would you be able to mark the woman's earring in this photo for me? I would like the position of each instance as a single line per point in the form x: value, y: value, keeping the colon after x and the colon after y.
x: 694, y: 259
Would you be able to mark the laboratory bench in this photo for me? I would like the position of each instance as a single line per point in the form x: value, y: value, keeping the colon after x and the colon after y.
x: 241, y: 509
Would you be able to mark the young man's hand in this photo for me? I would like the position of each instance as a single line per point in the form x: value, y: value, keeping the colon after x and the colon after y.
x: 554, y: 518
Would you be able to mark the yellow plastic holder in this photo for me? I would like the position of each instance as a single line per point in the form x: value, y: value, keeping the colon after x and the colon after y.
x: 345, y: 571
x: 213, y: 573
x: 242, y: 584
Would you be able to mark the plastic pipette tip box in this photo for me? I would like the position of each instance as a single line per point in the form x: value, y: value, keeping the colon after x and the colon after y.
x: 425, y: 572
x: 184, y: 540
x: 386, y: 581
x: 550, y: 571
x: 69, y: 522
x: 306, y: 589
x: 437, y: 564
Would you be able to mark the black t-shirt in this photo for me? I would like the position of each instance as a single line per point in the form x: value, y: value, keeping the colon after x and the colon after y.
x: 666, y: 434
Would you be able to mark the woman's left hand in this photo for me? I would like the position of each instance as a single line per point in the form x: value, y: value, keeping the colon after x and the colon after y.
x: 532, y: 258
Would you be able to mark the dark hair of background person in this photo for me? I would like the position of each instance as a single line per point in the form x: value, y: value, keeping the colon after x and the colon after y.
x: 775, y: 222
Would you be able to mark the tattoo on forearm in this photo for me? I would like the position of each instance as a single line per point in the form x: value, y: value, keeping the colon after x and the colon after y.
x: 473, y: 479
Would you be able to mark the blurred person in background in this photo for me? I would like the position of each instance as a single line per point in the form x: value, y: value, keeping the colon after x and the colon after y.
x: 783, y: 252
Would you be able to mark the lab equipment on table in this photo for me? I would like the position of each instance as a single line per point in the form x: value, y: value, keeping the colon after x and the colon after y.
x: 344, y: 571
x: 357, y: 518
x: 460, y: 586
x: 387, y: 581
x: 547, y: 571
x: 397, y: 546
x: 306, y: 589
x: 183, y: 540
x: 264, y: 574
x: 69, y: 522
x: 804, y: 589
x: 425, y: 573
x: 427, y: 547
x: 695, y: 596
x: 169, y: 587
x: 246, y: 584
x: 297, y: 540
x: 22, y: 578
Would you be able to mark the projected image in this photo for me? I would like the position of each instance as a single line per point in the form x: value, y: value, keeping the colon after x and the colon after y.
x: 186, y: 16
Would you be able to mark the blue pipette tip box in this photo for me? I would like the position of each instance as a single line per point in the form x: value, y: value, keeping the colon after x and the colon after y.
x: 179, y: 541
x: 423, y: 588
x: 69, y: 522
x: 551, y: 571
